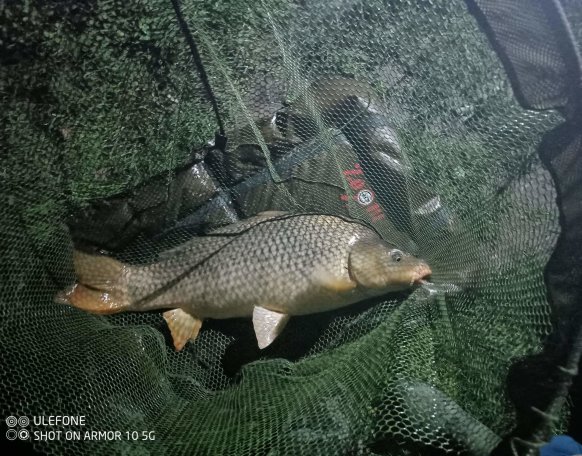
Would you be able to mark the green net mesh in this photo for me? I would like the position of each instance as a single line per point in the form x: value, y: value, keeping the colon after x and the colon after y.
x: 101, y: 102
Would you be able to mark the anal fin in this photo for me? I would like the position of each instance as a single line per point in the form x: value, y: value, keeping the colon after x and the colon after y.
x: 268, y: 325
x: 183, y: 327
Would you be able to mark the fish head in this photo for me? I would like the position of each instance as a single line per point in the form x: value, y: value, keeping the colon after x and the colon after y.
x: 376, y: 264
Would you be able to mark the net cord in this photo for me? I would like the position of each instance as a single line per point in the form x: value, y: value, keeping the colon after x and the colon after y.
x: 201, y: 72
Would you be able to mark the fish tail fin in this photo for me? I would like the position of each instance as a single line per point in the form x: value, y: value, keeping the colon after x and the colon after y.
x: 101, y: 287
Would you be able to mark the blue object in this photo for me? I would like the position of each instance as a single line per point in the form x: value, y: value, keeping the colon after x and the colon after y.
x: 561, y: 445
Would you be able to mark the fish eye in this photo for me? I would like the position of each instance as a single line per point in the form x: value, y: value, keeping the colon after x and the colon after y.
x: 396, y: 255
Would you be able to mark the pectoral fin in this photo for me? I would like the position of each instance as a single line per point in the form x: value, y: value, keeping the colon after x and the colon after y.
x: 268, y: 325
x: 183, y: 327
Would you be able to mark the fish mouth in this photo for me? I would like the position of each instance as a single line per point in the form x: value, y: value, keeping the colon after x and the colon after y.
x: 420, y: 273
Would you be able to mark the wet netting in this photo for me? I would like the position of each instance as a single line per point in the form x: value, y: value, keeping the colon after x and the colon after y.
x: 146, y: 131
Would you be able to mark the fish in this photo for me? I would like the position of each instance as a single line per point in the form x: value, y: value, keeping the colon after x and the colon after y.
x: 269, y: 267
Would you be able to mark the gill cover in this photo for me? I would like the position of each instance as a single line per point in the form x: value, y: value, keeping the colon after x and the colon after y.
x: 365, y: 263
x: 376, y: 264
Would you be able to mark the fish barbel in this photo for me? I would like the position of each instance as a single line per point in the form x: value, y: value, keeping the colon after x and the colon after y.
x: 271, y: 267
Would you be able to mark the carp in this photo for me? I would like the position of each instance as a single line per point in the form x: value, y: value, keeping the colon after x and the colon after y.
x: 269, y: 267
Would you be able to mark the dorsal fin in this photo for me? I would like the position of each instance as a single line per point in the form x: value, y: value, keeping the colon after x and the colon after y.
x: 247, y: 223
x: 200, y: 247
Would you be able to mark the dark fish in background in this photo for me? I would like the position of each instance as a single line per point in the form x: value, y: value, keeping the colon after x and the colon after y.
x: 354, y: 108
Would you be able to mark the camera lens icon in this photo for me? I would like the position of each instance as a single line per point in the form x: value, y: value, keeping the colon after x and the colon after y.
x: 11, y: 434
x: 11, y: 421
x: 23, y: 434
x: 23, y: 421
